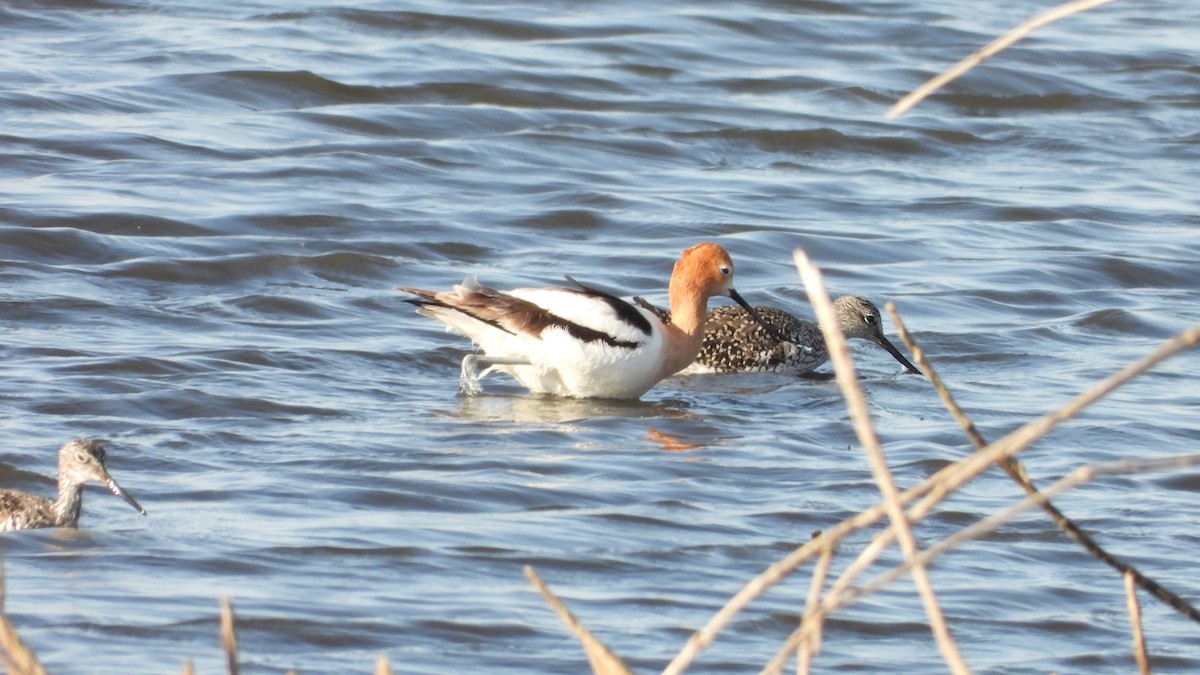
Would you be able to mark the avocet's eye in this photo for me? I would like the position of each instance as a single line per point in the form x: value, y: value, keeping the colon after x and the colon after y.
x: 726, y: 270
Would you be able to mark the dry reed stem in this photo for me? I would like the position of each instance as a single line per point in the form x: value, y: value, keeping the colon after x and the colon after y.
x: 1079, y: 476
x: 383, y: 666
x: 16, y: 658
x: 1083, y: 474
x: 1009, y: 445
x: 856, y: 402
x: 947, y: 398
x: 188, y: 668
x: 603, y: 661
x: 991, y: 49
x: 954, y: 476
x: 1135, y: 618
x: 228, y: 639
x: 762, y: 583
x: 809, y: 648
x: 864, y: 560
x: 1016, y: 471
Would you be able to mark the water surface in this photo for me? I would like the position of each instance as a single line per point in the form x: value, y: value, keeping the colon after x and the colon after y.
x: 204, y: 210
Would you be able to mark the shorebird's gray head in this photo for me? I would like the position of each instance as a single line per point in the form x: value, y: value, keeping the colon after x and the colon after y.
x: 858, y: 317
x: 82, y: 460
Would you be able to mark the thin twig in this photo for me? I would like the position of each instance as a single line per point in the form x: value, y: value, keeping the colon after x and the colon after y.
x: 1135, y: 618
x: 864, y: 560
x: 918, y: 354
x: 1026, y: 435
x: 763, y: 582
x: 1075, y: 478
x: 809, y: 648
x: 1016, y: 471
x: 856, y: 402
x: 228, y: 639
x: 603, y: 661
x: 956, y: 475
x: 16, y: 658
x: 1000, y: 43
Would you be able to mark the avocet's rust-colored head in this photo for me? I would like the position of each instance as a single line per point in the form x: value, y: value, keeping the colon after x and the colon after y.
x: 703, y: 271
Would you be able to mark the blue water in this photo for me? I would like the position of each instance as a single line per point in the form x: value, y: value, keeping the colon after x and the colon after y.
x: 204, y: 211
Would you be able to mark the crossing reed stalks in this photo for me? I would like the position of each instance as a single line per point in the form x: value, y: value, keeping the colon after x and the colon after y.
x: 905, y: 509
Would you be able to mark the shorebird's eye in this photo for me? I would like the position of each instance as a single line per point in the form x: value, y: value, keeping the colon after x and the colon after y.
x: 726, y: 270
x: 869, y: 318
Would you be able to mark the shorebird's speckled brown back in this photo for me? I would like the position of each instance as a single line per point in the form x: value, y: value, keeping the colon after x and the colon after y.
x: 736, y: 343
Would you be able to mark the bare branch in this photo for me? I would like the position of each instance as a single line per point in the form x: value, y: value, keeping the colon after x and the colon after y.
x: 603, y: 661
x: 920, y: 93
x: 1135, y: 618
x: 1013, y: 467
x: 228, y: 639
x: 856, y: 402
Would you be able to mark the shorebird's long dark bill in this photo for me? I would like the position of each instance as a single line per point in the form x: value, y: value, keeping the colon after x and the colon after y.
x: 116, y: 490
x: 891, y: 349
x: 755, y: 315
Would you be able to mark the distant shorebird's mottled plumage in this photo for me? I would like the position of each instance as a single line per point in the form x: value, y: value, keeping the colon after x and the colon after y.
x: 733, y: 343
x: 79, y: 461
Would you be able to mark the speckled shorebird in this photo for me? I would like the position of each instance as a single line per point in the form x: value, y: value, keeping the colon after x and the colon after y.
x: 79, y: 461
x: 734, y: 343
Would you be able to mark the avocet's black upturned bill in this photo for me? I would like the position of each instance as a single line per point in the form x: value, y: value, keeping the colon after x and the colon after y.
x: 734, y: 343
x: 582, y: 342
x: 79, y: 461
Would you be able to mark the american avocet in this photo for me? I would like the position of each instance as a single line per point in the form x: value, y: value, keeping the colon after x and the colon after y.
x: 733, y: 343
x: 78, y: 462
x: 582, y: 342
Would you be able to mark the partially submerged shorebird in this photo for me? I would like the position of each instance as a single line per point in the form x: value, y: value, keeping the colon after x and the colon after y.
x: 582, y: 342
x: 734, y: 343
x: 79, y: 461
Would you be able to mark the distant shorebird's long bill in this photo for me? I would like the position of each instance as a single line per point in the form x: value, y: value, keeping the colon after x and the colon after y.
x: 116, y: 490
x: 755, y: 315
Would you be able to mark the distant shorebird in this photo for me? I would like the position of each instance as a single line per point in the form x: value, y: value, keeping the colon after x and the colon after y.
x: 733, y: 343
x: 79, y: 461
x: 582, y: 342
